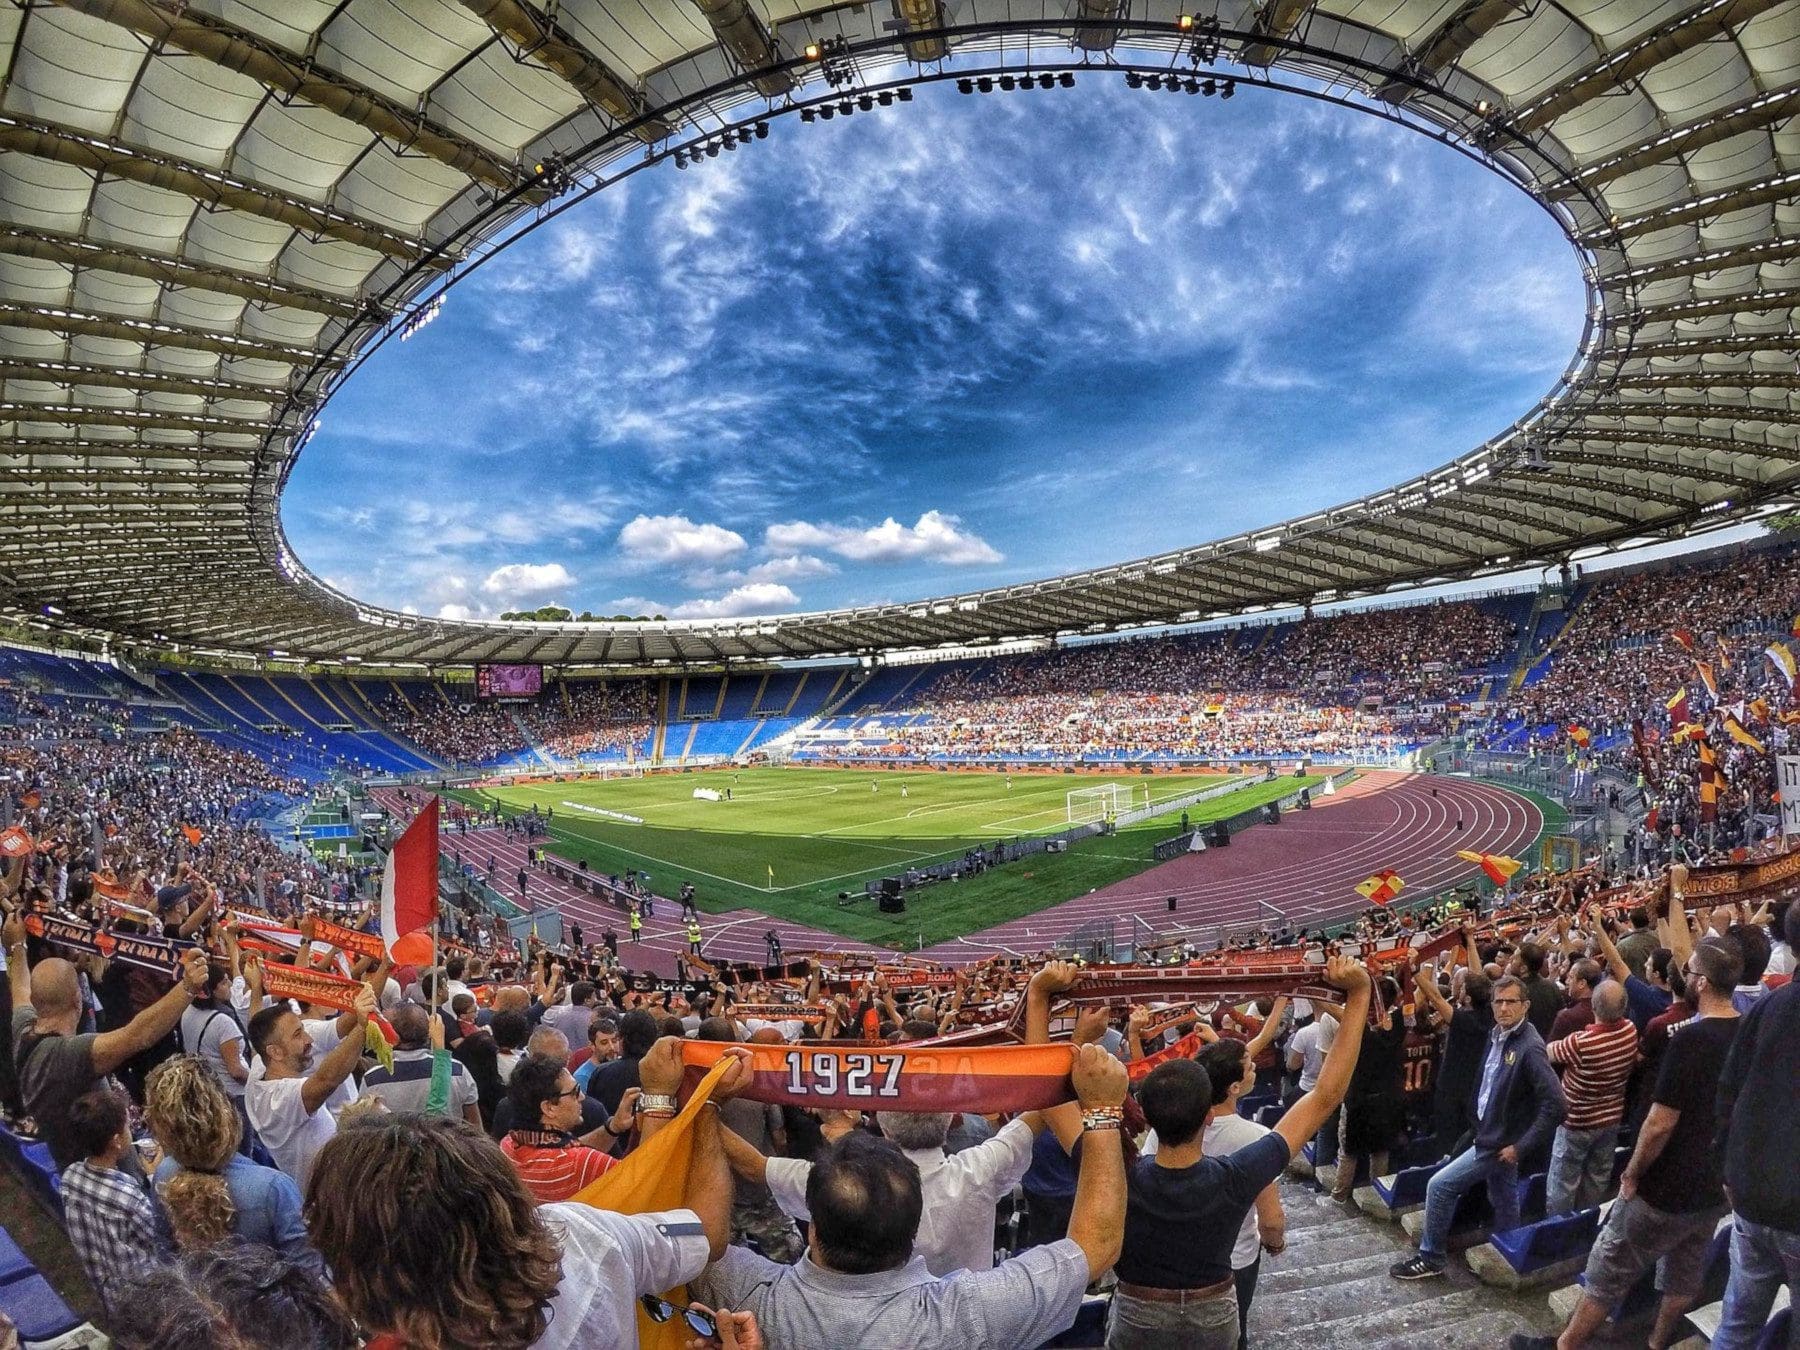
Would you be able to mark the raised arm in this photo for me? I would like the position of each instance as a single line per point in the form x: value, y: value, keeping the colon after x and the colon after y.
x: 1271, y: 1028
x: 18, y: 973
x: 1609, y: 953
x: 1097, y: 1220
x: 1302, y: 1120
x: 336, y: 1067
x: 113, y: 1048
x: 1427, y: 986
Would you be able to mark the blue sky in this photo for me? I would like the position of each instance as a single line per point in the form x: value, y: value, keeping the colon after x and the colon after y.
x: 936, y: 347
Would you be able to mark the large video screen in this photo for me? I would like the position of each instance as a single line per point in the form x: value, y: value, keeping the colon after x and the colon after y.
x: 508, y: 681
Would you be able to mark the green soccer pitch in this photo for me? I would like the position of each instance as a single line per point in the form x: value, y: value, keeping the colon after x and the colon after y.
x: 826, y: 831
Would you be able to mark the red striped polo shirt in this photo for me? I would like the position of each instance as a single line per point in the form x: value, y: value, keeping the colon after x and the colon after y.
x: 553, y: 1166
x: 1597, y: 1059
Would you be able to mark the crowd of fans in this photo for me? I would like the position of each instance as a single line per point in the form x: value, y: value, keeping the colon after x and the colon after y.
x: 569, y: 720
x: 224, y: 1152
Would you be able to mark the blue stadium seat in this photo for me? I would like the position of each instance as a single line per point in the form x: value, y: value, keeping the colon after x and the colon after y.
x: 1531, y: 1196
x: 40, y: 1173
x: 1548, y: 1241
x: 1406, y: 1188
x: 14, y: 1264
x: 37, y: 1309
x: 1269, y: 1115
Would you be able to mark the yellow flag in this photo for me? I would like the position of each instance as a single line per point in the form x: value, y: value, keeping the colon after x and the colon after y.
x: 653, y: 1178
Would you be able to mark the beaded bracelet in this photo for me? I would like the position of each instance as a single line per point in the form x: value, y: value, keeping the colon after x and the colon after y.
x: 1103, y: 1118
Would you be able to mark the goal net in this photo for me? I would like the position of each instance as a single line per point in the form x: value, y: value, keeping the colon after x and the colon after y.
x: 1096, y: 805
x: 628, y: 770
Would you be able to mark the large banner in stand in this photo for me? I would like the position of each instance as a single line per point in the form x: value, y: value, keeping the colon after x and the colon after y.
x: 1787, y: 777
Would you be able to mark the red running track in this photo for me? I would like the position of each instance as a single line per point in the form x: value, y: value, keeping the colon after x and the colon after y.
x: 1308, y: 866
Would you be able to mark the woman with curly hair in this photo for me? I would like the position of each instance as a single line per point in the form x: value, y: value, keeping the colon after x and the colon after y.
x: 435, y: 1244
x: 210, y: 1190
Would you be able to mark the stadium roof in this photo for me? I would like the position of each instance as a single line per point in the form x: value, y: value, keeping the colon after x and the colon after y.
x: 213, y: 208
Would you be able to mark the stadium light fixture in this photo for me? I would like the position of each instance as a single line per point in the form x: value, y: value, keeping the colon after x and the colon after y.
x: 762, y: 131
x: 904, y: 93
x: 866, y: 103
x: 1006, y: 83
x: 1133, y: 80
x: 1155, y: 82
x: 1228, y: 89
x: 1185, y: 23
x: 827, y: 112
x: 1067, y: 79
x: 808, y: 115
x: 1046, y: 81
x: 1209, y: 87
x: 965, y: 86
x: 885, y: 98
x: 985, y: 84
x: 812, y: 51
x: 846, y: 107
x: 53, y: 612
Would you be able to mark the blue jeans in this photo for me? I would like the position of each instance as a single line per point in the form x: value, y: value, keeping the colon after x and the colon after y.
x: 1455, y: 1179
x: 1762, y: 1259
x: 1580, y: 1166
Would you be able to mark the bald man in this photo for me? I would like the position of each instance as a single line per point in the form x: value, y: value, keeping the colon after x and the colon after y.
x: 1596, y: 1061
x: 55, y: 1065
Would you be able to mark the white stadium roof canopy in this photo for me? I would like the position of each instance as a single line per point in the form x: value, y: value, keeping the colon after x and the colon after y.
x: 213, y: 209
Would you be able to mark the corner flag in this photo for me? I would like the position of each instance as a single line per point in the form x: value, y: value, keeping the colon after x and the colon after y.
x: 409, y: 885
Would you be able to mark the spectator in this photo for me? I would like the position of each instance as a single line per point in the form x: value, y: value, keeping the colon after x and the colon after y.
x: 1762, y: 1139
x: 1305, y: 1057
x: 1234, y: 1075
x: 861, y: 1271
x: 546, y: 1109
x: 637, y: 1033
x: 236, y: 1296
x: 406, y: 1086
x: 113, y: 1220
x: 210, y: 1029
x: 1374, y: 1111
x: 959, y: 1192
x: 1177, y: 1281
x: 1470, y: 1026
x: 1635, y: 947
x: 55, y: 1062
x: 210, y: 1190
x: 510, y: 1029
x: 291, y: 1101
x: 1597, y: 1061
x: 603, y: 1048
x: 1518, y: 1104
x: 435, y: 1240
x: 1670, y: 1196
x: 1546, y: 999
x: 1583, y: 978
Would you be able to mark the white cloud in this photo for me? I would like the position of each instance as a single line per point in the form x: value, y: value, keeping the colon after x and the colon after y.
x: 936, y: 537
x: 762, y: 597
x: 454, y: 611
x: 794, y: 567
x: 678, y: 540
x: 527, y: 581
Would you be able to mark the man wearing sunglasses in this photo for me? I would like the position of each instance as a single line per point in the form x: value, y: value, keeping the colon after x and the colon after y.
x: 1518, y: 1105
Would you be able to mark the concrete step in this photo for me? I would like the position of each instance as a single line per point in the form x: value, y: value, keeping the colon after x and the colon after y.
x: 1358, y: 1314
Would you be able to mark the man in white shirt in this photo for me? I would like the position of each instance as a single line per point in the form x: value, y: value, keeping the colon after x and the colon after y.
x: 961, y: 1190
x: 288, y: 1099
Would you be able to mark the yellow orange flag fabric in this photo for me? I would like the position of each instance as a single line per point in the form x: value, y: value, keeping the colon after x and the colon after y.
x: 653, y: 1178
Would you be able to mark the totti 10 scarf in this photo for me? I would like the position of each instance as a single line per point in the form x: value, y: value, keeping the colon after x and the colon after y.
x: 987, y: 1078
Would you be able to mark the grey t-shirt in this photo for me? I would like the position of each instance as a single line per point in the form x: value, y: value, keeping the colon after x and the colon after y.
x: 55, y: 1071
x: 1021, y: 1302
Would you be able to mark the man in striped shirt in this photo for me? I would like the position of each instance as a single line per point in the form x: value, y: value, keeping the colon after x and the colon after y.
x: 1596, y: 1061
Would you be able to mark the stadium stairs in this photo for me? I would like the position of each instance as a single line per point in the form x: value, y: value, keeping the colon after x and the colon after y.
x: 1330, y: 1290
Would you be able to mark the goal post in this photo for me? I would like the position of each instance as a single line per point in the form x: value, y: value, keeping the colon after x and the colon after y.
x: 1098, y: 804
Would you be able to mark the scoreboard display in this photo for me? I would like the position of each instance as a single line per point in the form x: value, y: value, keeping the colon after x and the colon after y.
x: 508, y: 681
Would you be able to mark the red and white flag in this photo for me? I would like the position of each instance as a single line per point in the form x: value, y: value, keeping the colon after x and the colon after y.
x: 409, y: 886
